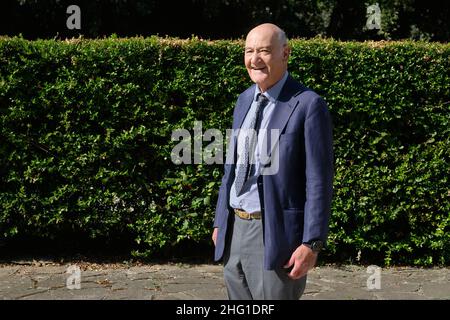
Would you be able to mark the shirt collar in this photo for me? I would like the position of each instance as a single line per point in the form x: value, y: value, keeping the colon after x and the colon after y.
x: 274, y: 91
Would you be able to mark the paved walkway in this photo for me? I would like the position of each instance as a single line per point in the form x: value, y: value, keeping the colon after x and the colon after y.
x: 47, y: 280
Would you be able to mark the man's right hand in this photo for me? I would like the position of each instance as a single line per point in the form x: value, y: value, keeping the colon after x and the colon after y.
x: 214, y: 235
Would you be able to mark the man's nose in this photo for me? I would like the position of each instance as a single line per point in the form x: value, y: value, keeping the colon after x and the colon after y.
x: 255, y: 58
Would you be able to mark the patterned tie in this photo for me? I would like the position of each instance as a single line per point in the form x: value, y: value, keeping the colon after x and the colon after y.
x: 251, y: 140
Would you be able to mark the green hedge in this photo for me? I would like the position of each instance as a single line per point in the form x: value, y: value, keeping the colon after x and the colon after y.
x: 85, y: 140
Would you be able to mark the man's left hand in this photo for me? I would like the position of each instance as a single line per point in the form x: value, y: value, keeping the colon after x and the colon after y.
x: 303, y: 259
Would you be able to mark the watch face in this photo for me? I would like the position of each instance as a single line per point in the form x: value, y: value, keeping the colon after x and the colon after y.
x: 316, y: 246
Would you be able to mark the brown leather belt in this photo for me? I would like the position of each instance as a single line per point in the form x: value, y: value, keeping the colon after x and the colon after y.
x: 247, y: 216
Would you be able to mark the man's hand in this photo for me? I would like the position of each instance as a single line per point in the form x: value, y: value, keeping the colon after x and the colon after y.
x: 214, y: 235
x: 303, y: 259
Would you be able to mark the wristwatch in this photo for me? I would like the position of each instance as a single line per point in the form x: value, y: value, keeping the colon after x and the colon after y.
x: 315, y: 245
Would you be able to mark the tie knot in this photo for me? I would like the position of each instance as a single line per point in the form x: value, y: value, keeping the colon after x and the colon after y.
x: 262, y: 100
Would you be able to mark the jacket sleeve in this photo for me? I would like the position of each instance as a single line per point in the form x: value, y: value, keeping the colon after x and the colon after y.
x: 319, y: 170
x: 222, y: 203
x: 222, y: 200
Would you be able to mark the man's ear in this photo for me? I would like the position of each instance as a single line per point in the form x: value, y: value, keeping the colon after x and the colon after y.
x: 286, y: 52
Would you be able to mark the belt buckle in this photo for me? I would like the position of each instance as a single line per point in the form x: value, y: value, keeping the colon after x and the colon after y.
x: 245, y: 215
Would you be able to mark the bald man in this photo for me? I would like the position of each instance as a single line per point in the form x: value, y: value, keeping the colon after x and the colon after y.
x: 270, y: 225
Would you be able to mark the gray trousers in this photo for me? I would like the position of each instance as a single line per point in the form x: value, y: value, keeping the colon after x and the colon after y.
x: 244, y: 273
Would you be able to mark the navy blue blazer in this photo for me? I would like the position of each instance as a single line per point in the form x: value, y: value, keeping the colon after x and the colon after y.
x: 296, y: 200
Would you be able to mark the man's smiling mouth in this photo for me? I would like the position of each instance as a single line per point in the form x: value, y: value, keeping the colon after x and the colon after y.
x: 262, y: 68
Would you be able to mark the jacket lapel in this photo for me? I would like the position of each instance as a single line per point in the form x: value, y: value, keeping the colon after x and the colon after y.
x: 283, y: 110
x: 243, y: 107
x: 241, y: 111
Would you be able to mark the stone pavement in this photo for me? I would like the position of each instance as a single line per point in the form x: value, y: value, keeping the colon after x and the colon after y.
x: 49, y: 280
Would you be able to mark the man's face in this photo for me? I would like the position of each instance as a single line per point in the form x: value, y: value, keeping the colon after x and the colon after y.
x: 265, y: 57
